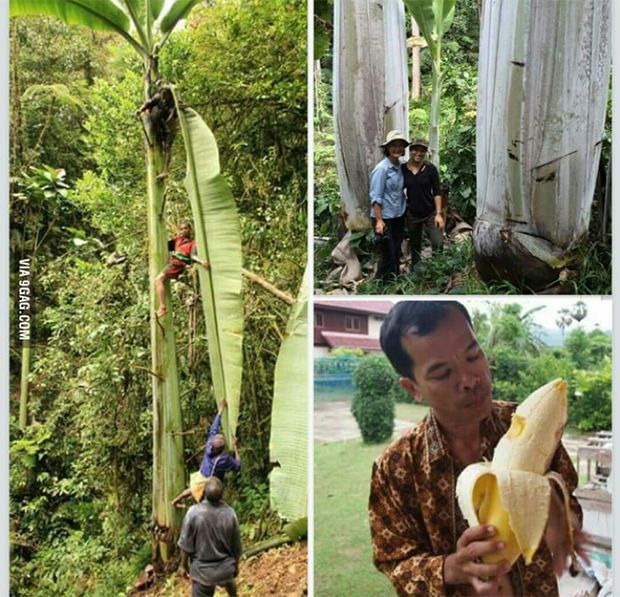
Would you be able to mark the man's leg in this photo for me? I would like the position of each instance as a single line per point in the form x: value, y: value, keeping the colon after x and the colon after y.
x: 384, y: 242
x: 231, y: 588
x: 160, y: 287
x: 414, y: 232
x: 199, y: 590
x: 398, y: 235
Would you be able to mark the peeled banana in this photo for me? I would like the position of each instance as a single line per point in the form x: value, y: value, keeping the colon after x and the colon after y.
x: 512, y: 492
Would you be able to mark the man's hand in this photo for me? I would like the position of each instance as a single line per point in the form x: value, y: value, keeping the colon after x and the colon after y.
x: 439, y: 223
x: 557, y: 536
x: 465, y: 565
x: 205, y: 264
x: 223, y: 405
x: 380, y: 226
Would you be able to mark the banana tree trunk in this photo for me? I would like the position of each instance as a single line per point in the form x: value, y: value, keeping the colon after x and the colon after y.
x: 433, y: 130
x: 543, y: 88
x: 415, y: 62
x: 168, y: 463
x: 370, y: 93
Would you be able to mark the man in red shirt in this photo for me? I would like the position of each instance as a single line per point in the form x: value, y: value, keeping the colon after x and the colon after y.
x: 184, y: 252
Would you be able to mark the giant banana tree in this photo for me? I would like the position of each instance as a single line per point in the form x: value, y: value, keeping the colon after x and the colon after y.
x: 145, y: 25
x: 543, y: 84
x: 433, y: 17
x: 370, y: 93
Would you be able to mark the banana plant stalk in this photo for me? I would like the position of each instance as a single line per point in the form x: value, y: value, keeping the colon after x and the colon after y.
x: 538, y: 134
x: 433, y: 17
x: 145, y: 26
x: 370, y: 94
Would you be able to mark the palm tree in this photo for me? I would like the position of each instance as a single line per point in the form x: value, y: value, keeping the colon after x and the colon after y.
x: 543, y: 83
x: 146, y: 27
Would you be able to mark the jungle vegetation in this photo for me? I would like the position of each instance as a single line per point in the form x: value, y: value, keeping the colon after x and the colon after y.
x: 93, y: 221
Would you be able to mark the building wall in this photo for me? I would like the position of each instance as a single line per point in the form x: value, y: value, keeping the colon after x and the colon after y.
x: 374, y: 326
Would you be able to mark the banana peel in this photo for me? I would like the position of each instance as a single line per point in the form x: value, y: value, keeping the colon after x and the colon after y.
x: 512, y: 492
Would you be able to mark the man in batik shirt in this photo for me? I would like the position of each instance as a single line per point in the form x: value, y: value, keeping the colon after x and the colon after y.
x: 420, y: 539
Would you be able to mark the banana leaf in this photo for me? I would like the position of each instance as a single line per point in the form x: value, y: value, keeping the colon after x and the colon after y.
x: 102, y: 15
x: 175, y: 13
x: 218, y: 236
x: 288, y: 445
x: 95, y: 14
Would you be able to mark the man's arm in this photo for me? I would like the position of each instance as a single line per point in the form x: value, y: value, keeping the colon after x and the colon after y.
x: 377, y: 187
x: 184, y: 567
x: 215, y: 426
x: 436, y: 190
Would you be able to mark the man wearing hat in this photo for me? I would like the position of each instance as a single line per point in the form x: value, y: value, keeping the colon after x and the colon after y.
x: 422, y: 189
x: 388, y: 204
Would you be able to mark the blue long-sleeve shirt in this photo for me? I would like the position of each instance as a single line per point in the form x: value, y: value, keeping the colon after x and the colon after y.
x: 223, y: 462
x: 387, y: 189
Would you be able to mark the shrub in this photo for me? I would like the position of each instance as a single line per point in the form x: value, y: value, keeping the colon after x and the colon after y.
x: 373, y: 406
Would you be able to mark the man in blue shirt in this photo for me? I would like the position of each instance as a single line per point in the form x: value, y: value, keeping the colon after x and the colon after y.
x: 388, y: 204
x: 215, y: 462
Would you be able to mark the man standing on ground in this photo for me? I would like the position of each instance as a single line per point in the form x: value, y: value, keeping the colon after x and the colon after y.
x: 210, y: 536
x: 420, y: 539
x: 421, y: 180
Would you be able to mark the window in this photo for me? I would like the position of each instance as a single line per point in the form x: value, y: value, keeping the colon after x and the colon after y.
x: 352, y: 323
x: 318, y: 319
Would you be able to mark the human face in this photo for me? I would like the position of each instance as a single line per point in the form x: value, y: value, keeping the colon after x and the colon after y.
x: 396, y: 150
x: 417, y: 153
x: 185, y: 230
x: 450, y: 373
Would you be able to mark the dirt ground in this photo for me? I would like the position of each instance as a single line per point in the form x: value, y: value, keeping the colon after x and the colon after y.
x: 282, y: 571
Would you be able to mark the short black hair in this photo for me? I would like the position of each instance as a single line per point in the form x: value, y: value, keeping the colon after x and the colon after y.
x: 412, y: 317
x: 214, y: 489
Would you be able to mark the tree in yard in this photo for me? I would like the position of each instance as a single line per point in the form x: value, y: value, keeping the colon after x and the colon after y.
x: 543, y: 85
x: 146, y: 26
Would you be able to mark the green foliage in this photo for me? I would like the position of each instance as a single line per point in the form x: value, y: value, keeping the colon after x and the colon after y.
x: 590, y: 401
x: 372, y: 405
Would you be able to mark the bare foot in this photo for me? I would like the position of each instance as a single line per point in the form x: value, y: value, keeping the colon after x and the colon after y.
x: 163, y: 310
x: 162, y: 175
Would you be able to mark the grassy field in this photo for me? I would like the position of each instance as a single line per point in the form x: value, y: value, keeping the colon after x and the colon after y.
x: 342, y: 555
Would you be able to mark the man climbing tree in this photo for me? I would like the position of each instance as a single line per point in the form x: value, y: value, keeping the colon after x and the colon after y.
x: 163, y: 116
x: 184, y: 252
x: 215, y: 462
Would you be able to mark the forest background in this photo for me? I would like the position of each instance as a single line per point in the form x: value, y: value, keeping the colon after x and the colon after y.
x: 80, y: 502
x: 453, y: 271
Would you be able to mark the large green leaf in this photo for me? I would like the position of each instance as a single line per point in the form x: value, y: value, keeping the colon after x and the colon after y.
x: 179, y: 10
x: 444, y: 13
x: 218, y: 235
x: 288, y: 445
x: 103, y: 15
x: 424, y: 15
x: 155, y: 7
x: 95, y: 14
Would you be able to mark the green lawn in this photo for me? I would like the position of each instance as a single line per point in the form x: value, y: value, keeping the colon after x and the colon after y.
x: 410, y: 412
x: 342, y: 555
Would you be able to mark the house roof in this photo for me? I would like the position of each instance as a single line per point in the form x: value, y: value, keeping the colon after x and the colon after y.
x: 371, y: 307
x: 336, y: 339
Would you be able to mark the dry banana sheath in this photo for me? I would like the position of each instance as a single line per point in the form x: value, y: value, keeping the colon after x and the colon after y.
x: 512, y: 492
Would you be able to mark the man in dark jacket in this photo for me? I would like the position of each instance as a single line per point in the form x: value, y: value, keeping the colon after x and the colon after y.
x: 210, y: 536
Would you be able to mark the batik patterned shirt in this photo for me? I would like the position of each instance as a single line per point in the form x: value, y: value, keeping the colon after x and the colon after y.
x: 415, y: 520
